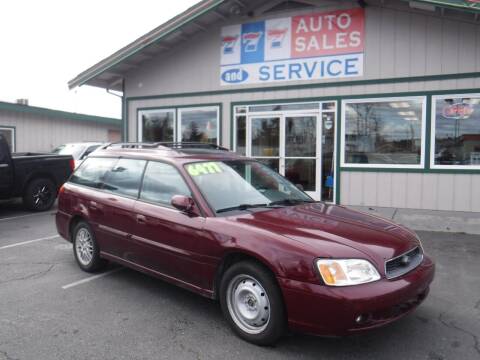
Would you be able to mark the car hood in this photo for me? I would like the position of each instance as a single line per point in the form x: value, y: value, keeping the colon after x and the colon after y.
x: 319, y: 225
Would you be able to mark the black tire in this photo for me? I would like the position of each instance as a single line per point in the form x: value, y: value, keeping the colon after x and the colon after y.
x: 96, y: 263
x: 40, y: 194
x: 276, y: 325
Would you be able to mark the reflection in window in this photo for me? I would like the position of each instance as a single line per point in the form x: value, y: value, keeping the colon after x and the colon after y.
x: 301, y: 172
x: 92, y: 172
x: 328, y: 148
x: 161, y: 182
x: 383, y: 132
x: 265, y: 136
x: 457, y: 131
x: 241, y: 135
x: 200, y: 125
x: 271, y: 163
x: 158, y: 125
x: 125, y: 177
x: 301, y: 136
x: 283, y: 107
x: 9, y: 135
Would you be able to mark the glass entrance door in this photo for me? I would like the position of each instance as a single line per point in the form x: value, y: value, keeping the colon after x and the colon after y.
x: 289, y: 144
x: 301, y: 152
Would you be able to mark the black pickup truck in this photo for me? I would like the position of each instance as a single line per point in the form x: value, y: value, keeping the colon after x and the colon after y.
x: 34, y: 177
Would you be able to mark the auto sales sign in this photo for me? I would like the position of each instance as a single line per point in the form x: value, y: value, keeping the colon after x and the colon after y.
x: 315, y: 46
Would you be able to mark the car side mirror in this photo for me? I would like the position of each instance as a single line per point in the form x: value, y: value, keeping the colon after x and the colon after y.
x: 185, y: 204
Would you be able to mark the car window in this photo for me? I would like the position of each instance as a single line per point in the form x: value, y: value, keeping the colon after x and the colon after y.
x: 75, y: 150
x: 90, y: 150
x: 92, y: 172
x: 125, y: 177
x: 161, y: 182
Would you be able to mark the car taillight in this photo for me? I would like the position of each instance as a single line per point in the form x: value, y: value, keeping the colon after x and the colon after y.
x: 61, y: 190
x: 72, y: 164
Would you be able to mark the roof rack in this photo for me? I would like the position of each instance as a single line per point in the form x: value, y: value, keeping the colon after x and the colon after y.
x: 170, y: 145
x: 191, y: 145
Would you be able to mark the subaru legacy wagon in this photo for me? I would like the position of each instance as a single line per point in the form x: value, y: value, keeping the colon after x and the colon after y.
x: 230, y: 228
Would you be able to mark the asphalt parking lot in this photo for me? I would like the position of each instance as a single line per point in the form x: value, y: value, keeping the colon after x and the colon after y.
x: 49, y: 309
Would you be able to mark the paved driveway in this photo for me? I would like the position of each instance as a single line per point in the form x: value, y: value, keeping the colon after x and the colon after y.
x: 49, y: 309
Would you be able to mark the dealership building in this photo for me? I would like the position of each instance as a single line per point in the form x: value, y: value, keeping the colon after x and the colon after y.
x: 369, y: 103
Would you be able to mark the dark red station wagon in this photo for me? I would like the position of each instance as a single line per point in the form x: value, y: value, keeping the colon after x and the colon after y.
x: 230, y: 228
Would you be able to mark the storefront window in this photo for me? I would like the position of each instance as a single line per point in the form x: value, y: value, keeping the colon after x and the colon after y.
x: 157, y: 125
x: 199, y: 125
x: 283, y: 107
x: 456, y: 131
x: 9, y: 135
x: 383, y: 132
x: 241, y: 135
x: 328, y: 148
x: 300, y: 136
x: 265, y: 136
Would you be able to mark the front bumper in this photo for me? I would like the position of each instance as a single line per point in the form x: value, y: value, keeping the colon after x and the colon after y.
x: 333, y: 311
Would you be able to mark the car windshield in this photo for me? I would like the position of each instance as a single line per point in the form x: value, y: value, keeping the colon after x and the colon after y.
x: 75, y: 150
x: 243, y: 184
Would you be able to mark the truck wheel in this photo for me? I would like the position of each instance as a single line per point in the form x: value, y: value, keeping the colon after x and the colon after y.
x: 85, y: 248
x: 252, y: 303
x: 40, y: 194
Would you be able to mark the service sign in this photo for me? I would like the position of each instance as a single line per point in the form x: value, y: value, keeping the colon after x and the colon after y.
x: 315, y: 46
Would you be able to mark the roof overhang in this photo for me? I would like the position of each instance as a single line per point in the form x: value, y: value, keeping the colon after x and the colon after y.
x: 110, y: 72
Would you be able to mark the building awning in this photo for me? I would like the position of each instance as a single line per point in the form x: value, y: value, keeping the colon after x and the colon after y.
x: 110, y: 72
x: 464, y: 5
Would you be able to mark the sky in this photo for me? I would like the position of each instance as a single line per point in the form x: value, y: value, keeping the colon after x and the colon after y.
x: 47, y: 43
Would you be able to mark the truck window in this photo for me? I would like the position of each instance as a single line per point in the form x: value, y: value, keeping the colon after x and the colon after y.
x: 125, y: 177
x: 92, y: 172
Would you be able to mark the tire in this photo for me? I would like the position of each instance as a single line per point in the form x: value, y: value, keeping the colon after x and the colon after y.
x: 247, y: 288
x: 40, y: 194
x: 85, y: 248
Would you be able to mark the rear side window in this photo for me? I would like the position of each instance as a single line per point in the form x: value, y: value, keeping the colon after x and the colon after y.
x: 161, y: 182
x: 92, y: 172
x: 125, y: 177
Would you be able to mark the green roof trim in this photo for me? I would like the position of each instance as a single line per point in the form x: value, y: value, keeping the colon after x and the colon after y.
x: 462, y: 5
x: 59, y: 114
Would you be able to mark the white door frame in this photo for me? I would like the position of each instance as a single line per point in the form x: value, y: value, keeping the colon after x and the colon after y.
x: 282, y: 115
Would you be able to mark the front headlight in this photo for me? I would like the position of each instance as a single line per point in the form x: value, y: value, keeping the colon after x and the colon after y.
x: 346, y: 272
x: 419, y: 243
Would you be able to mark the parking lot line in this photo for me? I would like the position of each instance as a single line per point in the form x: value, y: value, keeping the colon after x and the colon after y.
x: 24, y: 216
x: 91, y: 278
x: 28, y: 242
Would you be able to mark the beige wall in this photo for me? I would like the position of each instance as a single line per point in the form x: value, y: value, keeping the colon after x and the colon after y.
x: 40, y: 133
x: 458, y: 192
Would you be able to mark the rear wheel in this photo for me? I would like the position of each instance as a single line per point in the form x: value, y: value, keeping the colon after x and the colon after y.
x: 252, y: 303
x: 85, y: 248
x: 40, y: 194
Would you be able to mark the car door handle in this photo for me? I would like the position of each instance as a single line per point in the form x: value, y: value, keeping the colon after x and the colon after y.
x: 3, y: 165
x: 141, y: 219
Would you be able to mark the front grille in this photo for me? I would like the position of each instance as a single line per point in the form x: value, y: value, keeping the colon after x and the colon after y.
x: 404, y: 263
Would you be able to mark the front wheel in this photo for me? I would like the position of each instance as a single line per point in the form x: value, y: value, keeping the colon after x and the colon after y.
x: 252, y: 303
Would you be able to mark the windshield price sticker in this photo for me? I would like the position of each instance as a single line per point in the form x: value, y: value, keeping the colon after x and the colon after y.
x: 204, y: 168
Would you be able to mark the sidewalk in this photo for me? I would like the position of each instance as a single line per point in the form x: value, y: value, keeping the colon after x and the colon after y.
x: 429, y: 220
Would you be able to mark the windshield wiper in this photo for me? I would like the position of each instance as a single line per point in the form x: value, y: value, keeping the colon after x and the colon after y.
x: 290, y: 202
x: 242, y: 207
